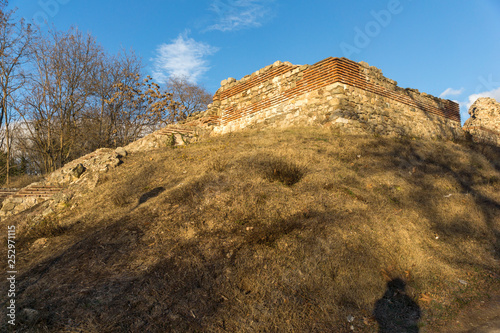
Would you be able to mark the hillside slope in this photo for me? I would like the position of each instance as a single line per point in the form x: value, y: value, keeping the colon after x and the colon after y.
x: 295, y: 230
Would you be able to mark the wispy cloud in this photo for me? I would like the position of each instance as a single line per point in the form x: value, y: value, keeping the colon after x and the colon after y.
x: 240, y: 14
x: 465, y: 105
x: 182, y: 57
x: 495, y: 93
x: 451, y: 92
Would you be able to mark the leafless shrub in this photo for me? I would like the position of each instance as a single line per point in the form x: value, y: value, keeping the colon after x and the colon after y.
x: 278, y: 169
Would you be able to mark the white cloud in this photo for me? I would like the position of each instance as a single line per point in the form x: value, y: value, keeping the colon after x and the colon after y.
x: 451, y: 92
x: 239, y: 14
x: 465, y: 105
x: 182, y: 57
x: 495, y: 93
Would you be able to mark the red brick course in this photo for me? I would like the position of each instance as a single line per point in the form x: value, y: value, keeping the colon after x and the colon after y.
x: 324, y: 73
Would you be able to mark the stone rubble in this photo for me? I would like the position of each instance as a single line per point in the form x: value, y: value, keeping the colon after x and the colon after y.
x: 85, y: 171
x: 484, y: 123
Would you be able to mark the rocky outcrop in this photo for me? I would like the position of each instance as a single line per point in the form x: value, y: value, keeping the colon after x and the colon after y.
x: 98, y: 161
x: 83, y: 171
x: 177, y: 135
x: 484, y: 122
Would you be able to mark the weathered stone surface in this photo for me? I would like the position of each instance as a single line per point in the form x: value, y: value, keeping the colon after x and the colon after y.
x: 61, y: 197
x: 121, y: 151
x: 8, y: 206
x: 78, y: 170
x: 342, y: 120
x: 92, y: 162
x: 484, y: 123
x: 283, y: 94
x: 47, y: 212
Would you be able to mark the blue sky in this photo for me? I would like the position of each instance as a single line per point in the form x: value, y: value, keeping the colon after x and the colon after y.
x: 447, y: 48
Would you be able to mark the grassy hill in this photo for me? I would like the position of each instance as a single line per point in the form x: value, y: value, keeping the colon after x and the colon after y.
x: 295, y: 230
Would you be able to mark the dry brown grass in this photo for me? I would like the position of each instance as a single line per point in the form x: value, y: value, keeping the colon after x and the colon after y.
x: 270, y: 231
x: 47, y: 227
x: 21, y: 181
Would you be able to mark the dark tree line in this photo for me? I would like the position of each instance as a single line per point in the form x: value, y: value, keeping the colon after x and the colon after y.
x: 63, y: 95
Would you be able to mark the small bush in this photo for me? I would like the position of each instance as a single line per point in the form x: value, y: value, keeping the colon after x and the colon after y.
x: 170, y: 141
x: 285, y: 172
x: 45, y: 228
x: 122, y: 197
x: 218, y: 164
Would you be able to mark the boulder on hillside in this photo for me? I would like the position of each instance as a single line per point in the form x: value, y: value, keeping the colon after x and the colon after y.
x: 484, y: 122
x: 77, y: 171
x: 121, y: 151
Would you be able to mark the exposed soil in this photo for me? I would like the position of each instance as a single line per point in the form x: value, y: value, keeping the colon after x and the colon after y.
x: 481, y: 317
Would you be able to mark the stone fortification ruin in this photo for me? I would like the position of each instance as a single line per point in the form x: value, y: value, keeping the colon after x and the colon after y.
x: 332, y: 92
x: 335, y: 92
x: 484, y: 122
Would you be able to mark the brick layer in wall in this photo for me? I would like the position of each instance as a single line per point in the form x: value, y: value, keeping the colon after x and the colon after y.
x: 351, y: 73
x: 322, y: 74
x: 256, y: 80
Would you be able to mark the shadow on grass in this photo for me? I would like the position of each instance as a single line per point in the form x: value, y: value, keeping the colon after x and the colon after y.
x: 426, y: 198
x: 107, y: 282
x: 110, y: 281
x: 396, y: 311
x: 151, y: 194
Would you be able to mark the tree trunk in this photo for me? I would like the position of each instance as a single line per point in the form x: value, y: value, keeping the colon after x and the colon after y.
x: 7, y: 165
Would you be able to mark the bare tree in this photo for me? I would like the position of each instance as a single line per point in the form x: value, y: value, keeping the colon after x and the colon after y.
x: 104, y: 120
x: 144, y: 107
x: 60, y: 89
x: 80, y: 98
x: 192, y: 98
x: 15, y: 37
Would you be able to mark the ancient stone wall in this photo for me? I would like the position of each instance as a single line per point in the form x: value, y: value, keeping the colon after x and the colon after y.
x: 85, y: 171
x: 484, y: 123
x: 334, y: 91
x: 27, y: 197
